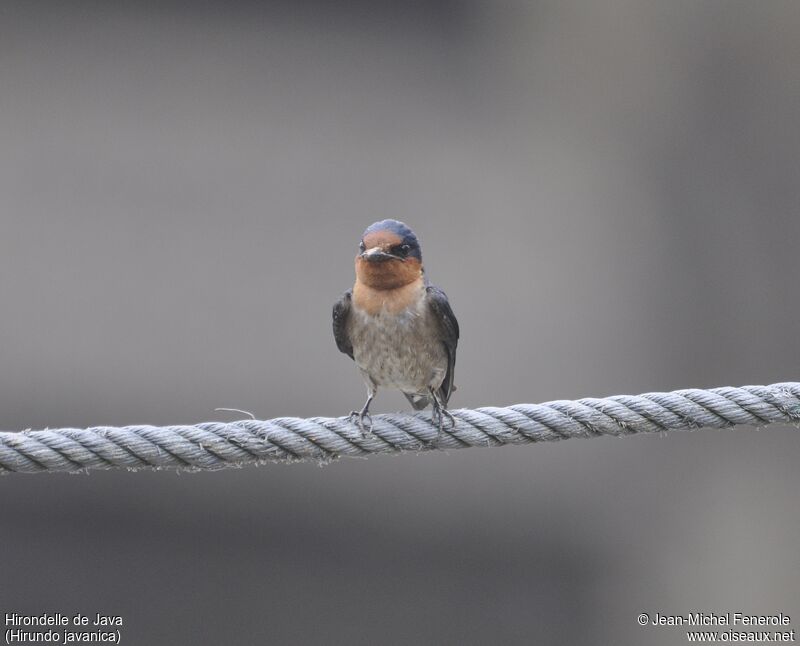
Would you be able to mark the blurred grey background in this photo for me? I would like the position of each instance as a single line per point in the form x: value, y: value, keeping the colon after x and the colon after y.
x: 609, y: 193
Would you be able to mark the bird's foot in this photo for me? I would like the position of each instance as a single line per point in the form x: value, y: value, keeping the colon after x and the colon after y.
x: 361, y: 416
x: 438, y: 415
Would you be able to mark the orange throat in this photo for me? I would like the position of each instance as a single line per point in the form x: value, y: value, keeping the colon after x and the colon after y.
x: 389, y: 274
x: 391, y: 285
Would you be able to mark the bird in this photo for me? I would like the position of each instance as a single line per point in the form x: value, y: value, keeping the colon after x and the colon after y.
x: 398, y: 328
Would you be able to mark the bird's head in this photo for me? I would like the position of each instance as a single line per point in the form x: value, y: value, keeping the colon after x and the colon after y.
x: 389, y: 256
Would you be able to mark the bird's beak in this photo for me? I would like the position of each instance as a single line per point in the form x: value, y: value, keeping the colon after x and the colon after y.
x: 376, y: 254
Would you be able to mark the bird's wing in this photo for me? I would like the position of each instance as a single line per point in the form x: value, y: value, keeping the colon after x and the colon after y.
x: 341, y: 312
x: 448, y: 333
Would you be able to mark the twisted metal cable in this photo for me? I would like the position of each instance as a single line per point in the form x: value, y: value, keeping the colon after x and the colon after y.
x: 216, y: 445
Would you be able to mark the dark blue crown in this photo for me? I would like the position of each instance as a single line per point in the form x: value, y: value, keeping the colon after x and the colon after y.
x: 400, y: 229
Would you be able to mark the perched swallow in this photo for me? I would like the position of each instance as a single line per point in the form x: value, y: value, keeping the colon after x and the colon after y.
x: 398, y: 328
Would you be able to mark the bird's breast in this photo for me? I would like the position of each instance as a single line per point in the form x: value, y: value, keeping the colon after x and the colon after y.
x: 400, y: 301
x: 395, y: 340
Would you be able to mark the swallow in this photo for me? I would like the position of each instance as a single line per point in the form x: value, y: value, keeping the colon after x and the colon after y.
x: 397, y: 327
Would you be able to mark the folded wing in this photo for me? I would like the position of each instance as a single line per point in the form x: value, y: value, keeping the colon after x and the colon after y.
x: 448, y: 333
x: 341, y: 313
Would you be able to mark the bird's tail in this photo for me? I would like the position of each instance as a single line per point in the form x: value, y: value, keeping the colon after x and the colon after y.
x: 418, y: 401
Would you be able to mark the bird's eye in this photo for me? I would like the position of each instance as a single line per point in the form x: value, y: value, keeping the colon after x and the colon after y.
x: 401, y: 250
x: 362, y: 247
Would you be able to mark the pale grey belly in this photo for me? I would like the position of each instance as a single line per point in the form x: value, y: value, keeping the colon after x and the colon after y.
x: 398, y: 352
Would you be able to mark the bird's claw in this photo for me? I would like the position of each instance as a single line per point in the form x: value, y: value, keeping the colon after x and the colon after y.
x: 439, y: 414
x: 361, y: 415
